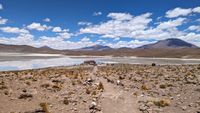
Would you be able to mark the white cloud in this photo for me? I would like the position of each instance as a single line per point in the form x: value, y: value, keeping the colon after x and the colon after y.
x: 181, y: 12
x: 47, y: 20
x: 196, y: 9
x: 3, y: 21
x: 22, y: 39
x: 85, y: 39
x: 38, y: 26
x: 97, y: 13
x: 136, y: 27
x: 118, y: 26
x: 120, y: 16
x: 194, y: 28
x: 130, y: 44
x: 60, y: 43
x: 57, y: 29
x: 84, y: 23
x: 13, y: 30
x: 171, y: 23
x: 1, y: 6
x: 65, y: 35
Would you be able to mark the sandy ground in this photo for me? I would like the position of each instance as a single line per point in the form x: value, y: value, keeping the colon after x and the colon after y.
x: 111, y: 88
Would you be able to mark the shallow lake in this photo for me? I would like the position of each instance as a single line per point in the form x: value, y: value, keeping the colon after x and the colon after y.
x: 16, y: 61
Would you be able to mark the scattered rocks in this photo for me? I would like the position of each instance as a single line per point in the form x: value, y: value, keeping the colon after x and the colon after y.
x: 162, y: 102
x: 90, y: 62
x: 153, y: 64
x: 66, y: 101
x: 163, y: 89
x: 25, y: 96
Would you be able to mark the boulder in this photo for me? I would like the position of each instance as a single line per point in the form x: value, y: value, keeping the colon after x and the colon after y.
x: 90, y: 62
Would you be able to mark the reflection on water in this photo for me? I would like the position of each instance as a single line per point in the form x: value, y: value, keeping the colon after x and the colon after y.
x: 38, y: 63
x: 19, y: 64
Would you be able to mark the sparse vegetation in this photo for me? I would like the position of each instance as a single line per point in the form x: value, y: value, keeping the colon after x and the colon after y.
x: 162, y: 102
x: 44, y: 106
x: 74, y: 89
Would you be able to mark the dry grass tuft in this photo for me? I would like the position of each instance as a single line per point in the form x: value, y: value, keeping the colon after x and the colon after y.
x: 44, y: 106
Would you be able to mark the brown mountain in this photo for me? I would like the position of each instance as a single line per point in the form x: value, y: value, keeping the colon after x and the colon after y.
x: 165, y: 48
x: 25, y: 49
x: 168, y: 44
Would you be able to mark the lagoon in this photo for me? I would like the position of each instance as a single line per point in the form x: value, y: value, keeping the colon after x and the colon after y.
x: 22, y: 61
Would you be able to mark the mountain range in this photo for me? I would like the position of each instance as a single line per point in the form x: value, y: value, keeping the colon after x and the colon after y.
x: 164, y: 48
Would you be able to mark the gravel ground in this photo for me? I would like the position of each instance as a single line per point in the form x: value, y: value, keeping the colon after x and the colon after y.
x: 107, y: 88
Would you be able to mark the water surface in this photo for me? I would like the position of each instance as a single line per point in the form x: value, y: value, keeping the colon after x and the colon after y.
x: 16, y: 61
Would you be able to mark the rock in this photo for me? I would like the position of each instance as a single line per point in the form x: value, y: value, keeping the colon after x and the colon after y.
x: 25, y: 96
x: 93, y: 105
x: 118, y: 82
x: 66, y: 101
x: 184, y: 107
x: 36, y: 111
x: 143, y: 107
x: 153, y: 64
x: 90, y: 62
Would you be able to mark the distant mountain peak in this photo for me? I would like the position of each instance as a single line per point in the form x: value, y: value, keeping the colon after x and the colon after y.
x: 169, y: 43
x: 45, y: 47
x: 96, y: 48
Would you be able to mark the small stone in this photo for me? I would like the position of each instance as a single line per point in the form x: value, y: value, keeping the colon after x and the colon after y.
x: 183, y: 108
x: 118, y: 82
x: 25, y: 96
x: 93, y: 105
x: 143, y: 107
x: 153, y: 64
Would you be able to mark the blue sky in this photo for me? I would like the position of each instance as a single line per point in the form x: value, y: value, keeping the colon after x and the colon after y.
x: 69, y: 24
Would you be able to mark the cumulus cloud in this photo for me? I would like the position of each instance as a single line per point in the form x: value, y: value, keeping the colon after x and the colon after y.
x: 129, y: 44
x: 171, y: 23
x: 84, y: 23
x: 119, y: 26
x: 47, y: 20
x: 194, y: 28
x: 60, y: 43
x: 181, y: 12
x: 85, y: 39
x: 196, y: 9
x: 57, y: 29
x: 3, y: 20
x: 65, y: 35
x: 38, y: 26
x: 13, y: 30
x: 120, y: 16
x: 1, y: 6
x: 97, y: 13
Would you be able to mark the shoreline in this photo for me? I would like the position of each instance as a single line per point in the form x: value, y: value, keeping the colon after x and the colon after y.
x: 101, y: 64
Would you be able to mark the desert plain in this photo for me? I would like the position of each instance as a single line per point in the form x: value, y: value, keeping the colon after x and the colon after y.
x: 103, y: 88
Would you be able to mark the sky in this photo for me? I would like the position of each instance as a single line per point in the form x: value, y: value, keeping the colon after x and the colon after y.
x: 72, y: 24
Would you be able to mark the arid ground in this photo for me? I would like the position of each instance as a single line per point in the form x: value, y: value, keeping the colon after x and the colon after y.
x: 106, y: 88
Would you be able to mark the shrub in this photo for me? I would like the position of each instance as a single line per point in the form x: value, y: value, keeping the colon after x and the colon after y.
x: 162, y: 103
x: 44, y: 106
x: 144, y: 87
x: 100, y: 86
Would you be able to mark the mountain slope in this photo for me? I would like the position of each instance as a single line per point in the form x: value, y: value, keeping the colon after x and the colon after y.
x: 169, y: 44
x: 96, y: 48
x: 26, y: 49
